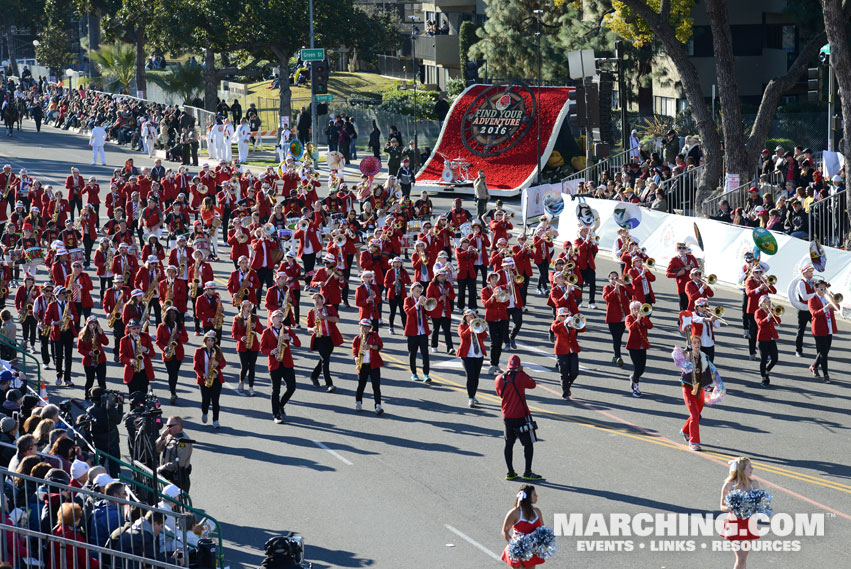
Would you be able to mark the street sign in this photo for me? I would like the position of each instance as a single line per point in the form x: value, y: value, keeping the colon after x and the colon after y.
x: 313, y: 54
x: 324, y: 98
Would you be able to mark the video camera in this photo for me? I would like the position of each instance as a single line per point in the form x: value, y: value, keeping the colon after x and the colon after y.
x: 285, y: 551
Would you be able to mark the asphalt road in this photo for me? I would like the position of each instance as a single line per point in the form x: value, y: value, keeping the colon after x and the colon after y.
x: 423, y: 485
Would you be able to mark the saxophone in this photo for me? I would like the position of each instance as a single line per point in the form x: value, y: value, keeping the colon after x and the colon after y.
x: 56, y: 213
x: 126, y: 273
x: 151, y: 292
x: 27, y: 310
x: 114, y: 314
x: 362, y: 351
x: 242, y: 292
x: 319, y: 314
x: 140, y: 358
x: 196, y: 281
x: 212, y: 372
x: 283, y: 342
x: 169, y: 295
x: 172, y: 343
x: 249, y: 333
x: 96, y: 348
x: 66, y: 317
x: 220, y: 314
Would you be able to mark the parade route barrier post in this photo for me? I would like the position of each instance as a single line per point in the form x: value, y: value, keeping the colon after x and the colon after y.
x: 725, y: 244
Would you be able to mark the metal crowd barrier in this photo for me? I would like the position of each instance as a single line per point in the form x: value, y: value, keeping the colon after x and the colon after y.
x: 828, y: 220
x: 737, y: 197
x: 681, y: 191
x: 595, y: 171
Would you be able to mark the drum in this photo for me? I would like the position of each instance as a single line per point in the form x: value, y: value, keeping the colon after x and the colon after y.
x: 76, y: 254
x: 35, y: 255
x: 465, y: 229
x: 415, y: 226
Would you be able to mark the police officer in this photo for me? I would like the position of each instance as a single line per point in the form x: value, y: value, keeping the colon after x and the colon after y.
x: 106, y: 411
x: 176, y: 449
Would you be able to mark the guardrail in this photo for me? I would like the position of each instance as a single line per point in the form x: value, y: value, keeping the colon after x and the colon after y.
x: 595, y: 171
x: 737, y: 197
x: 23, y: 358
x: 681, y: 191
x: 828, y: 220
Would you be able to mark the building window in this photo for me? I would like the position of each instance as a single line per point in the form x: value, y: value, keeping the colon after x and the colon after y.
x: 666, y: 106
x: 700, y: 44
x: 747, y: 39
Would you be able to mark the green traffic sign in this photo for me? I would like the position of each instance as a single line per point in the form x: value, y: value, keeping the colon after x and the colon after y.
x: 317, y: 54
x: 324, y: 98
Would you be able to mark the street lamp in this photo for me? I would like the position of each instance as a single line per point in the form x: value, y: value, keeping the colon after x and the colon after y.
x: 70, y: 73
x: 414, y: 69
x: 36, y: 43
x: 538, y: 14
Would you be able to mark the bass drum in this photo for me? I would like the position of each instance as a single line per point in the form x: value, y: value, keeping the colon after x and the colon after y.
x: 792, y: 294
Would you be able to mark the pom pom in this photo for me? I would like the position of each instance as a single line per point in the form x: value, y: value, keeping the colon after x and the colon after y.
x: 543, y: 542
x: 737, y: 501
x: 759, y: 502
x: 719, y: 390
x: 520, y: 548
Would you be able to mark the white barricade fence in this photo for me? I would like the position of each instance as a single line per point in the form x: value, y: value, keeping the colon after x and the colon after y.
x: 725, y: 246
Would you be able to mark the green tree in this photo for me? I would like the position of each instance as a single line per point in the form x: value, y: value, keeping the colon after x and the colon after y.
x: 54, y: 48
x: 128, y: 20
x: 117, y: 64
x: 185, y: 80
x: 24, y: 14
x: 467, y: 36
x: 375, y: 31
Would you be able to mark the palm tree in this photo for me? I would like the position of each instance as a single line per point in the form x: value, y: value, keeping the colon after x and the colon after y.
x: 117, y: 64
x: 184, y: 80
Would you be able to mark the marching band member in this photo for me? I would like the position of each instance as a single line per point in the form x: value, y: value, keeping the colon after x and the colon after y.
x: 170, y: 338
x: 697, y: 288
x: 465, y: 255
x: 693, y: 394
x: 441, y: 317
x: 679, y: 268
x: 637, y: 325
x: 823, y: 308
x: 458, y: 216
x: 209, y: 310
x: 585, y: 262
x: 640, y: 279
x: 744, y: 274
x: 125, y: 264
x: 543, y: 243
x: 479, y: 242
x: 204, y: 358
x: 89, y: 225
x: 498, y: 254
x: 238, y: 240
x: 566, y: 350
x: 25, y: 298
x: 173, y: 290
x: 91, y: 343
x: 622, y: 244
x: 515, y: 301
x: 293, y: 273
x: 80, y: 285
x: 247, y: 347
x: 147, y: 279
x: 329, y: 281
x: 200, y: 271
x: 416, y: 331
x: 277, y: 298
x: 182, y: 256
x: 805, y: 290
x: 756, y: 287
x: 135, y: 352
x: 114, y: 301
x: 309, y: 243
x: 396, y: 282
x: 523, y: 257
x: 767, y: 337
x: 703, y: 325
x: 500, y: 226
x: 472, y: 353
x: 422, y: 263
x: 280, y: 362
x: 243, y: 279
x: 61, y: 267
x: 368, y: 299
x: 617, y: 296
x: 40, y: 311
x: 366, y: 351
x: 324, y: 337
x: 153, y: 248
x: 496, y: 315
x: 266, y: 255
x: 60, y: 316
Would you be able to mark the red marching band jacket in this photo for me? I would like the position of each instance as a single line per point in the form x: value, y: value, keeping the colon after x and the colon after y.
x: 375, y: 360
x: 269, y: 343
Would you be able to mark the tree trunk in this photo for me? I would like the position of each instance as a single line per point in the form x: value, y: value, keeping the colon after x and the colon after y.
x: 284, y: 102
x: 210, y: 91
x: 840, y: 59
x: 141, y: 81
x: 94, y: 39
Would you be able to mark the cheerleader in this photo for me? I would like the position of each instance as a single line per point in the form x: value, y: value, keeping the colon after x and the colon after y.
x: 823, y: 309
x: 205, y: 355
x: 523, y: 518
x: 693, y: 393
x: 616, y: 295
x: 324, y: 337
x: 172, y: 329
x: 416, y: 331
x: 441, y: 317
x: 366, y: 351
x: 90, y: 344
x: 496, y: 315
x: 637, y: 344
x: 736, y: 529
x: 396, y: 282
x: 766, y: 337
x: 566, y: 349
x: 280, y: 365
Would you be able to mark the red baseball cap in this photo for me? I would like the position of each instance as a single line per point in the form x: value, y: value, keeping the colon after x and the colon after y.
x: 514, y: 362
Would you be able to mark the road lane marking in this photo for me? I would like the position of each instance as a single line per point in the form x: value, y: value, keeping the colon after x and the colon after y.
x: 472, y: 542
x: 333, y: 453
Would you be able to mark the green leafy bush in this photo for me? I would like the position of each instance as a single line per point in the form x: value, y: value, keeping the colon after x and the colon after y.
x: 404, y: 103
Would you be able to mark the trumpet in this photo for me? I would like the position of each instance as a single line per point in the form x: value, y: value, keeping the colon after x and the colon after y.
x: 477, y: 325
x: 430, y: 304
x: 651, y: 262
x: 577, y: 321
x: 646, y: 309
x: 627, y: 279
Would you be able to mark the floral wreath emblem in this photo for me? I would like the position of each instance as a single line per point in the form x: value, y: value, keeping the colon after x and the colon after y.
x: 498, y: 118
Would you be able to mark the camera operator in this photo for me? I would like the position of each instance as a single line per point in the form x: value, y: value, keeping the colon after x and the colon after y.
x: 176, y: 448
x: 106, y: 411
x: 137, y: 409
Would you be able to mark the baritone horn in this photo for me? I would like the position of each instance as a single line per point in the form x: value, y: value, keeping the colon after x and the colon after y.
x: 577, y: 321
x: 477, y: 325
x: 340, y: 240
x: 646, y: 309
x: 430, y: 304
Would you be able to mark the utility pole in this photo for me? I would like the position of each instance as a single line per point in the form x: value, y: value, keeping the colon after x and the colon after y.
x: 538, y: 14
x: 415, y: 74
x: 831, y: 105
x: 622, y: 96
x: 312, y: 82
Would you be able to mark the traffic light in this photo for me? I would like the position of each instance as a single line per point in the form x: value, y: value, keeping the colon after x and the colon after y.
x: 319, y: 77
x: 576, y: 113
x: 606, y: 87
x: 813, y: 82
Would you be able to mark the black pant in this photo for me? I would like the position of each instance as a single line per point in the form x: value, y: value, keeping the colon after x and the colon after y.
x: 589, y: 278
x: 406, y: 190
x: 30, y: 330
x: 436, y: 325
x: 745, y: 326
x: 498, y: 330
x: 397, y: 303
x: 639, y: 363
x: 709, y: 351
x: 822, y: 349
x: 568, y: 368
x: 309, y: 260
x: 265, y: 276
x: 419, y: 342
x: 139, y: 382
x: 88, y: 243
x: 247, y: 363
x: 62, y: 353
x: 473, y: 369
x: 98, y: 371
x: 105, y: 285
x: 516, y: 316
x: 543, y: 275
x: 117, y: 334
x: 524, y: 289
x: 804, y: 318
x: 483, y: 270
x: 616, y: 329
x: 76, y: 205
x: 374, y: 375
x: 683, y: 301
x: 45, y: 348
x: 287, y: 375
x: 511, y: 435
x: 155, y: 308
x: 295, y: 295
x: 767, y: 351
x: 752, y: 331
x: 324, y: 347
x: 481, y: 208
x: 210, y: 395
x: 173, y: 368
x: 467, y: 290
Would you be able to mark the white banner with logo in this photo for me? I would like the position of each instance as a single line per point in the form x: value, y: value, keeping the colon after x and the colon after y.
x: 725, y: 246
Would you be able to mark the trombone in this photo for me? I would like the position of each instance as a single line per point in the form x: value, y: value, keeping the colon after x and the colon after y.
x: 711, y: 280
x: 718, y: 313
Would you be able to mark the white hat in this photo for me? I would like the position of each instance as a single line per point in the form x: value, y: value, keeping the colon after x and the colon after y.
x: 79, y: 469
x: 123, y: 246
x: 276, y: 313
x: 366, y: 322
x: 171, y: 268
x: 290, y: 254
x: 171, y: 491
x: 395, y: 259
x: 508, y: 261
x: 104, y: 479
x: 137, y: 292
x: 563, y: 310
x: 329, y: 258
x: 367, y: 274
x: 210, y: 284
x: 153, y: 259
x: 440, y: 271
